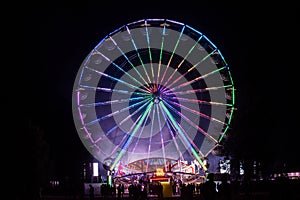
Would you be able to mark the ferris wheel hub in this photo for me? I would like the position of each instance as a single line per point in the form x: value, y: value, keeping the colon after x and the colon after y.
x: 156, y: 99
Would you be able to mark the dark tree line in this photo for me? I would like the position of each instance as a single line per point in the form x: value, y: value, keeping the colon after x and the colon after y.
x: 31, y: 161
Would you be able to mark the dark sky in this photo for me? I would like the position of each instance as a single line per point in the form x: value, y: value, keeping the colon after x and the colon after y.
x: 258, y: 42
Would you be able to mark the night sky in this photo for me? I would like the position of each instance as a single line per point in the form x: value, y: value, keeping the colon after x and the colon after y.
x: 258, y: 42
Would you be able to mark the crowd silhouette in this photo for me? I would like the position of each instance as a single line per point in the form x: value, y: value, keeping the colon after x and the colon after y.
x: 212, y: 188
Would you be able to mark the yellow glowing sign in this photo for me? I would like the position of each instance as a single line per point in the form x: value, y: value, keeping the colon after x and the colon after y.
x: 159, y: 172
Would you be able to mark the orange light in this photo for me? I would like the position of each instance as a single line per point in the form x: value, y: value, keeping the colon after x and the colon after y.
x: 159, y: 172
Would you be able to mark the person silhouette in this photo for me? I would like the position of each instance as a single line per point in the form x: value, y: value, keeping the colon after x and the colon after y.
x: 119, y: 189
x: 224, y: 189
x: 208, y: 188
x: 91, y: 192
x: 122, y: 191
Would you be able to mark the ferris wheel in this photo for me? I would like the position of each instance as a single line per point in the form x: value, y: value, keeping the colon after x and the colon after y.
x: 153, y: 88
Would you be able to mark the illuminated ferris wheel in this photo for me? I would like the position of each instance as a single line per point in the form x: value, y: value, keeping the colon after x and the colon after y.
x: 154, y: 88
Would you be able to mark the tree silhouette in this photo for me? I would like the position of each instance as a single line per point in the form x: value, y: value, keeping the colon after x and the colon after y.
x: 33, y: 161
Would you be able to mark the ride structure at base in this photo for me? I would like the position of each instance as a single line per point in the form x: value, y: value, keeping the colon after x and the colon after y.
x: 153, y: 94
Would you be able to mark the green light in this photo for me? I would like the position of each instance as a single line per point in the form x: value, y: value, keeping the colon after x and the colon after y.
x: 176, y: 45
x: 183, y: 136
x: 161, y: 52
x: 132, y: 135
x: 109, y: 180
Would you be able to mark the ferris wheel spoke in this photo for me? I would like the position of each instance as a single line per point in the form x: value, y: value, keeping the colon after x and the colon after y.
x: 193, y: 150
x: 170, y: 59
x: 117, y: 79
x: 128, y: 60
x: 100, y: 150
x: 93, y: 142
x: 191, y: 69
x: 126, y: 137
x: 140, y: 132
x: 110, y: 90
x: 161, y: 135
x: 119, y: 67
x: 184, y: 137
x: 195, y: 79
x: 200, y: 90
x: 125, y: 140
x: 138, y: 54
x: 198, y: 113
x: 150, y: 138
x: 172, y: 134
x: 118, y: 101
x: 181, y: 139
x: 126, y: 118
x: 190, y: 121
x: 161, y: 52
x: 136, y: 127
x: 149, y: 50
x: 189, y: 100
x: 214, y: 147
x: 118, y: 111
x: 182, y: 61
